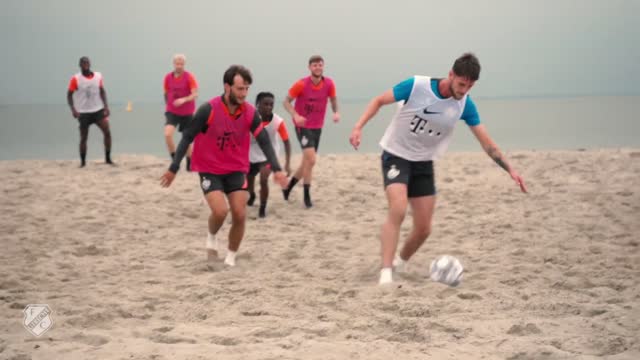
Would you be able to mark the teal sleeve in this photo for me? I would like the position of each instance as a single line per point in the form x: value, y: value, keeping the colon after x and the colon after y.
x: 470, y: 113
x: 402, y: 91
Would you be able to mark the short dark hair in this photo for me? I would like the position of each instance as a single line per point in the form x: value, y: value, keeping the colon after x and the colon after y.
x: 315, y: 59
x: 262, y: 95
x: 234, y: 70
x: 84, y: 58
x: 467, y: 66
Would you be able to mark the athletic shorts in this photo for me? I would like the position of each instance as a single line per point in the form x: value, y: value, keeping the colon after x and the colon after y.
x: 254, y: 168
x: 309, y: 138
x: 86, y: 119
x: 178, y: 121
x: 227, y: 183
x: 417, y: 175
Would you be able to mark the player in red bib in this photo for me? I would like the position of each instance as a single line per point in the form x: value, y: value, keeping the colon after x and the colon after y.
x: 311, y: 95
x: 221, y: 132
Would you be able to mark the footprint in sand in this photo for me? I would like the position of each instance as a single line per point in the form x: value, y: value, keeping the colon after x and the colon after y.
x: 224, y: 341
x: 164, y: 329
x: 93, y: 340
x: 165, y: 339
x: 273, y: 333
x: 90, y: 250
x: 469, y: 296
x: 520, y: 330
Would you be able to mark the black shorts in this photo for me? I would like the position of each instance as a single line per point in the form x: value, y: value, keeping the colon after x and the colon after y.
x: 227, y: 183
x: 178, y: 121
x: 86, y: 119
x: 417, y: 175
x: 309, y: 138
x: 254, y: 168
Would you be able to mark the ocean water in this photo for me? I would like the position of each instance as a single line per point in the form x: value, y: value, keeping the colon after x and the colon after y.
x: 49, y: 131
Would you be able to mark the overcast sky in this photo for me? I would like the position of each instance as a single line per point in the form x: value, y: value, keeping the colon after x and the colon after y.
x: 526, y: 48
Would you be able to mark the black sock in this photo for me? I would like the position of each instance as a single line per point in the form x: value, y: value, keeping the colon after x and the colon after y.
x: 83, y: 159
x: 188, y: 163
x: 252, y: 198
x: 307, y: 196
x: 107, y: 156
x: 173, y: 155
x: 263, y: 210
x: 287, y: 191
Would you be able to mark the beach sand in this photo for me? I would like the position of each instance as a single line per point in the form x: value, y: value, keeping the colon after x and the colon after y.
x: 554, y: 274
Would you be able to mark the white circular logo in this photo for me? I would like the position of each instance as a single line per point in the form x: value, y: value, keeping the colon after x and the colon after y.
x: 205, y: 184
x: 304, y: 140
x: 393, y: 172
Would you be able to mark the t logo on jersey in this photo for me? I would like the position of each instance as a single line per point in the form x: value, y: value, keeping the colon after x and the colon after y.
x: 225, y: 140
x: 418, y: 123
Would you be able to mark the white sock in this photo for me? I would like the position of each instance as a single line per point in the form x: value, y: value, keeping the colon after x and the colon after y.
x: 231, y: 258
x: 386, y: 276
x: 212, y: 242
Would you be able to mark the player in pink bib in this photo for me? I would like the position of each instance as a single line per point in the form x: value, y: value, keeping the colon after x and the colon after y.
x: 180, y: 94
x: 311, y: 95
x: 221, y: 132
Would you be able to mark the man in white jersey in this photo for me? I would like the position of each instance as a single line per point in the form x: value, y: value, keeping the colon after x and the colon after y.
x: 274, y: 125
x: 87, y: 99
x: 418, y: 134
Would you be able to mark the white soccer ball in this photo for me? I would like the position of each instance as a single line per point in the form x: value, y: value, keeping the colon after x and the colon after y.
x: 447, y: 270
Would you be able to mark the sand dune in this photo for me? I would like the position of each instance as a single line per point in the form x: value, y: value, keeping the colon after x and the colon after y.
x: 550, y: 275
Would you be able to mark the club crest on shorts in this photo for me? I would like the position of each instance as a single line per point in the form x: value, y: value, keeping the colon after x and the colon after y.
x: 304, y: 140
x: 206, y: 183
x: 393, y: 173
x: 37, y: 319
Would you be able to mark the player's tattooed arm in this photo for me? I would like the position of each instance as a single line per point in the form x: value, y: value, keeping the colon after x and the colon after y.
x: 497, y: 156
x: 489, y: 146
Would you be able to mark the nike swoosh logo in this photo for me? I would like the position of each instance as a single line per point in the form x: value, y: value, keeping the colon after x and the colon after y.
x: 426, y: 112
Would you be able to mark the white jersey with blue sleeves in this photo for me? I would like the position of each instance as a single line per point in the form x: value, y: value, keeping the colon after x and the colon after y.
x: 422, y: 129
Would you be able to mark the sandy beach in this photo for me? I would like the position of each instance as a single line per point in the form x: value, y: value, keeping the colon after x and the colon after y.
x: 554, y: 274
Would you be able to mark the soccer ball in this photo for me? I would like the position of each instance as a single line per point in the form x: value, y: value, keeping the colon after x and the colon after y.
x: 447, y: 270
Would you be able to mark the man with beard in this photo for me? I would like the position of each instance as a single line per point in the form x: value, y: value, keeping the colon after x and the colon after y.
x: 222, y: 130
x: 311, y: 94
x: 418, y: 134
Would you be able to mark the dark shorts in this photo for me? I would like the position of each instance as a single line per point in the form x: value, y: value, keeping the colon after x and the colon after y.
x: 86, y: 119
x: 227, y: 183
x: 178, y: 121
x: 417, y: 175
x: 309, y: 138
x: 254, y: 168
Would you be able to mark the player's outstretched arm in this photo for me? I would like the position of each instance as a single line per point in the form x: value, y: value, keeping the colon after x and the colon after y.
x: 371, y: 110
x: 491, y: 148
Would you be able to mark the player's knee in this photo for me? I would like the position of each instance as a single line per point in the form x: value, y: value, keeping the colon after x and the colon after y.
x: 238, y: 215
x: 397, y: 214
x: 310, y: 158
x: 264, y: 182
x: 220, y: 213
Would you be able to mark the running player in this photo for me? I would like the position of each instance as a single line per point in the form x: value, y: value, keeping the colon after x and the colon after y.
x: 87, y: 99
x: 311, y: 94
x: 274, y: 125
x: 180, y: 94
x: 222, y: 129
x: 418, y: 134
